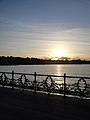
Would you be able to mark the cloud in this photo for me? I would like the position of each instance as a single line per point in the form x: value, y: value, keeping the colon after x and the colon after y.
x: 41, y: 38
x: 43, y: 32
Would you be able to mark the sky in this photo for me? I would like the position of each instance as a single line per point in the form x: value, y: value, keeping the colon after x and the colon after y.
x: 45, y: 28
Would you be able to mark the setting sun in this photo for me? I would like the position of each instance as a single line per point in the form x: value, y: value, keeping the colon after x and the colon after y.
x: 57, y: 53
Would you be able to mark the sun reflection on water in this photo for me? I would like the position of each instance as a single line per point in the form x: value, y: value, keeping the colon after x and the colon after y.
x: 58, y: 80
x: 58, y: 69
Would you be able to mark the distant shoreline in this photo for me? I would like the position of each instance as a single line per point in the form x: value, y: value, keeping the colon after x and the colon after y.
x: 36, y: 61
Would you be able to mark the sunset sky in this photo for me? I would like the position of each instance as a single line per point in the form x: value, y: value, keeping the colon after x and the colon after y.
x: 45, y: 28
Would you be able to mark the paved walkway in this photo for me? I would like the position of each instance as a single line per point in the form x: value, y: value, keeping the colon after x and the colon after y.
x: 15, y: 105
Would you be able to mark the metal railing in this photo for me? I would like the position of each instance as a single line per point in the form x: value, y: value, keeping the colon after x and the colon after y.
x: 51, y: 84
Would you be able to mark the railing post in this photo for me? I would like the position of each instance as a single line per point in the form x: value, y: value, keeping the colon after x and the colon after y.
x: 64, y: 84
x: 35, y: 82
x: 12, y: 79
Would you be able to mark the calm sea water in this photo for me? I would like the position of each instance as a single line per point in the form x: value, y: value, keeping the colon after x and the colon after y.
x: 78, y: 70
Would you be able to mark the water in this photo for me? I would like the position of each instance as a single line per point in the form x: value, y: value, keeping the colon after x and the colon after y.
x: 72, y: 70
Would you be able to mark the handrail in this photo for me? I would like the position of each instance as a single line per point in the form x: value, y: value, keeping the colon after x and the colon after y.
x: 46, y: 75
x: 49, y: 84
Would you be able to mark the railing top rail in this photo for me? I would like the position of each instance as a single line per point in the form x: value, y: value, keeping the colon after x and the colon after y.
x: 78, y: 77
x: 48, y: 75
x: 33, y: 74
x: 17, y: 73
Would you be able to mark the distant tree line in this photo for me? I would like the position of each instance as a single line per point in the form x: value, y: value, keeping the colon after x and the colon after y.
x: 9, y: 60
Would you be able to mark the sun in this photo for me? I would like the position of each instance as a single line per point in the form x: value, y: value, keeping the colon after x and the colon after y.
x: 57, y: 53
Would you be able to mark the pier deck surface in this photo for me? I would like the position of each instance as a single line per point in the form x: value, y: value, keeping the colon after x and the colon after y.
x: 15, y: 105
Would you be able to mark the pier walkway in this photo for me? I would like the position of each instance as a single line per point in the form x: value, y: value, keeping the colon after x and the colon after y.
x: 18, y: 105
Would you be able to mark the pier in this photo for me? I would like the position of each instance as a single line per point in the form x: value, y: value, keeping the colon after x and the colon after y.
x: 23, y: 97
x: 15, y: 104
